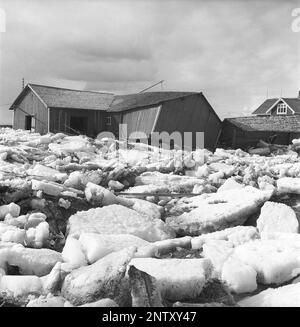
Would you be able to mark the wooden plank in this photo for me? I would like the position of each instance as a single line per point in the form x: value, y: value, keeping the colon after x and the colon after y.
x: 234, y: 138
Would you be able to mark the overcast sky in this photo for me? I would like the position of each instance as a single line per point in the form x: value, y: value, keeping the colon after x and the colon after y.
x: 232, y: 51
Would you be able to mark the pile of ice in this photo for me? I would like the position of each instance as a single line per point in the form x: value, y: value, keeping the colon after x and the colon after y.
x: 160, y: 228
x: 30, y: 229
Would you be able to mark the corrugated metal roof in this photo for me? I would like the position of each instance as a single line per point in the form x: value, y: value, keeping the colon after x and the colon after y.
x: 274, y: 123
x: 138, y: 100
x: 56, y: 97
x: 294, y: 103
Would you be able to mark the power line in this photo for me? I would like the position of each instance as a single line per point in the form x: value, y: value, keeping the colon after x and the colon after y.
x: 5, y: 104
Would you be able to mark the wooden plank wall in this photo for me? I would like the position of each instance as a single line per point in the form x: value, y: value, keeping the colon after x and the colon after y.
x: 140, y: 120
x: 33, y: 106
x: 116, y: 119
x: 190, y: 114
x: 236, y: 138
x: 227, y: 135
x: 60, y: 120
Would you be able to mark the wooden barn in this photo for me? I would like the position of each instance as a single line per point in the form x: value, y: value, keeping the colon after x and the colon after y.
x: 245, y: 132
x: 52, y: 109
x: 166, y: 112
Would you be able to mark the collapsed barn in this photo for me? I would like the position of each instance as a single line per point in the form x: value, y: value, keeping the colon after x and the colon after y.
x: 51, y: 109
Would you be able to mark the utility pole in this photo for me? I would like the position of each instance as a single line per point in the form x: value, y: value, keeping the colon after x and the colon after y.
x: 23, y: 85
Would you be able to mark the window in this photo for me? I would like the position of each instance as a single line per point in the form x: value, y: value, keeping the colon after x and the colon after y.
x: 108, y: 120
x: 281, y: 109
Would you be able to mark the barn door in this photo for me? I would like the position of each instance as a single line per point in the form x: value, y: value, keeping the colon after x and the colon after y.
x: 79, y: 124
x: 28, y: 122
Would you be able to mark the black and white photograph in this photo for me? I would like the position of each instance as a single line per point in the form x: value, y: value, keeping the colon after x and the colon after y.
x: 149, y: 157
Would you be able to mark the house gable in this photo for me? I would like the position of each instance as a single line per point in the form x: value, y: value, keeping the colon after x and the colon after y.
x: 29, y: 105
x: 269, y: 106
x: 277, y: 109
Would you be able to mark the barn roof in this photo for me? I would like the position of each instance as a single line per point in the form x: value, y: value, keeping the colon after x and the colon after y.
x: 137, y: 100
x: 293, y: 103
x: 56, y: 97
x: 274, y: 123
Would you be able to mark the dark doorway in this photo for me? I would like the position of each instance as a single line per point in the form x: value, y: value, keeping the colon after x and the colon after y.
x: 78, y: 124
x: 28, y: 122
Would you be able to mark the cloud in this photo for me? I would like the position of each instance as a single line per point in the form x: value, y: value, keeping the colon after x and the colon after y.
x: 233, y: 51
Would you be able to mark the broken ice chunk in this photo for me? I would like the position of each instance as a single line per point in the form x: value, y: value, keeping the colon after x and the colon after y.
x: 73, y: 253
x: 277, y: 217
x: 288, y: 185
x: 19, y: 287
x: 178, y: 279
x: 236, y: 235
x: 212, y: 212
x: 11, y: 208
x: 239, y: 277
x: 99, y: 195
x: 97, y: 246
x: 285, y: 296
x: 102, y: 279
x: 117, y: 219
x: 47, y: 187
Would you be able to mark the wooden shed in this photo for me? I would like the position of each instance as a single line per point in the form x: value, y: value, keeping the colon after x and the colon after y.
x: 245, y: 132
x: 166, y: 112
x: 52, y: 109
